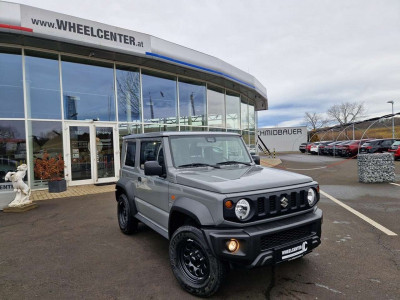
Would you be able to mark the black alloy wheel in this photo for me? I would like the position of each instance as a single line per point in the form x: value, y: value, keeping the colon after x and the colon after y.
x: 127, y: 223
x: 193, y: 262
x: 197, y: 270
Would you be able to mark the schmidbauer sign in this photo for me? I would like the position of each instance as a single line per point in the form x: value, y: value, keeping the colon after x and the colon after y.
x: 281, y: 138
x: 47, y: 23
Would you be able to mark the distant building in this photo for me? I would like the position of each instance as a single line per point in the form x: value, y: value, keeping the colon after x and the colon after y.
x: 280, y: 138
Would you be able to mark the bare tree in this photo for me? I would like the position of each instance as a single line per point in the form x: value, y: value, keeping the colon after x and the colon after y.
x: 314, y: 120
x: 346, y: 112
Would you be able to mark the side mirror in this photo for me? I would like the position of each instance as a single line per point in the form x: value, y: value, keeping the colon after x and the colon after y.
x: 152, y: 168
x: 256, y: 159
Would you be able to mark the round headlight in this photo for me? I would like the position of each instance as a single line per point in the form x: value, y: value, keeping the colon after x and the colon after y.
x: 242, y: 209
x: 311, y: 197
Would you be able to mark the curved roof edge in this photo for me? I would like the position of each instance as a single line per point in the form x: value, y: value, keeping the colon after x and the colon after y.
x: 36, y: 22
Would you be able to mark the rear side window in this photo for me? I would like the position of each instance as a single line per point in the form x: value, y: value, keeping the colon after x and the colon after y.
x: 387, y: 143
x: 149, y: 151
x: 130, y: 154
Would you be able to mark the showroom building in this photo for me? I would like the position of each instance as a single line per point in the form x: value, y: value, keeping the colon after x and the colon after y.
x: 74, y: 87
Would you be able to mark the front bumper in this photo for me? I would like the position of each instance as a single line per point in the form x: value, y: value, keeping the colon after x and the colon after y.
x: 269, y: 243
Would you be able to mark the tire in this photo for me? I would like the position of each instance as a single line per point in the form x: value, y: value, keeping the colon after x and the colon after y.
x: 127, y: 223
x: 197, y: 270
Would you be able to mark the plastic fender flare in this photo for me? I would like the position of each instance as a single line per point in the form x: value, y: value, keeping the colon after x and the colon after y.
x: 194, y: 209
x: 128, y: 187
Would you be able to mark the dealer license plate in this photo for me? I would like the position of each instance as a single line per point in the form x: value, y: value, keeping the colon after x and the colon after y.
x: 293, y: 251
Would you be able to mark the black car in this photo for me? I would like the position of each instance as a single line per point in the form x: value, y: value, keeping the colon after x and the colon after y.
x: 376, y: 146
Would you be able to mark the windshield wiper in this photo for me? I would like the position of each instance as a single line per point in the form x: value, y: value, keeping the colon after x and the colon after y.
x: 198, y: 165
x: 231, y: 162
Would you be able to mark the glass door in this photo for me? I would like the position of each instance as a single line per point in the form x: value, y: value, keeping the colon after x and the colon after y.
x: 92, y: 154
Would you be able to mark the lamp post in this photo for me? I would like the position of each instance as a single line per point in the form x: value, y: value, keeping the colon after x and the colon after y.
x: 392, y: 102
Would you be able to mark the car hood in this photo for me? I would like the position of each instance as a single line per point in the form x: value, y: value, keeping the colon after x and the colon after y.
x: 237, y: 179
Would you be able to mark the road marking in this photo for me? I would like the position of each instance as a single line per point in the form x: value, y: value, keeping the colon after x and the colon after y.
x: 394, y: 183
x: 360, y: 215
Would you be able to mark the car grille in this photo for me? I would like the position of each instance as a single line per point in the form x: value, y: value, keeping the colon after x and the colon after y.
x: 273, y: 205
x: 283, y: 237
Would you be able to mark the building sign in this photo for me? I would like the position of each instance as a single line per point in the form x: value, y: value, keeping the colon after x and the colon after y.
x: 280, y: 138
x: 88, y: 32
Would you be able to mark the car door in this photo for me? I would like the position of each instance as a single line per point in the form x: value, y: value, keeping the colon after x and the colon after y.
x: 152, y: 191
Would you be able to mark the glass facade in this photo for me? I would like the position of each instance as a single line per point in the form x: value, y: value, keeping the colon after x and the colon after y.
x: 58, y: 90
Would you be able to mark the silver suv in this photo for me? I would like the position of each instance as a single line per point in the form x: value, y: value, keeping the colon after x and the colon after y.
x: 205, y: 193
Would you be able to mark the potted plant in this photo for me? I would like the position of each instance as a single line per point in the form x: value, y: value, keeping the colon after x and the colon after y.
x: 51, y: 169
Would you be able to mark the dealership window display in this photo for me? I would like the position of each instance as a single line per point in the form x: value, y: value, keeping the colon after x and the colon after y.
x: 42, y: 79
x: 44, y: 136
x: 12, y: 150
x: 192, y: 102
x: 159, y: 98
x: 128, y: 93
x: 216, y: 106
x: 232, y: 110
x: 11, y: 84
x: 88, y: 89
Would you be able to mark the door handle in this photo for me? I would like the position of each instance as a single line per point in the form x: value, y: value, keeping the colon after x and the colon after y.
x: 139, y: 179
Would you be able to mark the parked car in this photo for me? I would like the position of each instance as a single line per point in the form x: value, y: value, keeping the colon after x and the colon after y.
x: 328, y: 150
x: 322, y: 146
x: 337, y: 150
x: 376, y: 146
x: 190, y: 188
x: 302, y: 147
x: 314, y: 148
x: 395, y: 149
x: 308, y: 147
x: 351, y: 150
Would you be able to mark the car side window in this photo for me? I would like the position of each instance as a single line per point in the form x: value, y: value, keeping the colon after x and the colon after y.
x: 148, y: 151
x: 130, y: 154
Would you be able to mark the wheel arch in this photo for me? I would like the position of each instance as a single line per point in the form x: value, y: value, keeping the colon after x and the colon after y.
x: 126, y: 187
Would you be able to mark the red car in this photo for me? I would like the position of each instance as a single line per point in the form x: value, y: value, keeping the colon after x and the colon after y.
x: 351, y: 149
x: 308, y: 147
x: 395, y: 149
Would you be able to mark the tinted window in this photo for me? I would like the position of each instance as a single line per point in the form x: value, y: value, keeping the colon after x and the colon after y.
x: 88, y: 89
x: 149, y: 150
x: 387, y: 143
x: 128, y: 89
x: 159, y: 98
x: 11, y: 91
x: 45, y: 136
x: 42, y: 85
x: 130, y: 154
x: 216, y: 107
x: 232, y: 110
x: 12, y: 150
x: 192, y: 102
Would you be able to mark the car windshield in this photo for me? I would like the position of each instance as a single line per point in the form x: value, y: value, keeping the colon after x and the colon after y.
x: 397, y: 143
x: 197, y: 151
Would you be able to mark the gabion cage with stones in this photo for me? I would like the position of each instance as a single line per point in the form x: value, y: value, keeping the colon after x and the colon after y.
x: 377, y: 167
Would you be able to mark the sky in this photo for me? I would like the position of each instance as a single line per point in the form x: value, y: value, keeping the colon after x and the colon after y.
x: 309, y: 54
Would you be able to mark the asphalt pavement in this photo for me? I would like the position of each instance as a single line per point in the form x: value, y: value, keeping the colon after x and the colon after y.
x: 72, y: 248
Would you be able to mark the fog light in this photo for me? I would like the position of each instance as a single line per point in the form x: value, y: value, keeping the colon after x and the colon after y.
x: 232, y: 245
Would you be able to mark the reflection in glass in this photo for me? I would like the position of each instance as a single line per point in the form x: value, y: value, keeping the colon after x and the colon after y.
x: 88, y: 91
x: 252, y: 142
x: 192, y: 102
x: 216, y: 106
x: 193, y: 128
x: 11, y: 89
x: 81, y: 167
x: 232, y: 110
x: 42, y: 85
x: 105, y: 152
x: 246, y: 137
x: 252, y: 117
x: 127, y: 129
x: 128, y: 89
x: 12, y: 150
x: 244, y: 114
x: 159, y: 128
x: 159, y: 98
x: 44, y: 136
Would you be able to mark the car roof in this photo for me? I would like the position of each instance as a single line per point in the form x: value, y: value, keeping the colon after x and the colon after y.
x: 177, y: 133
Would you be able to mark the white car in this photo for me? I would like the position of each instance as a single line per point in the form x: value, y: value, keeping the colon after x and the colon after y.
x: 314, y: 148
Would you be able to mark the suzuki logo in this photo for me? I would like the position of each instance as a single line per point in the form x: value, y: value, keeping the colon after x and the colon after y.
x: 284, y: 202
